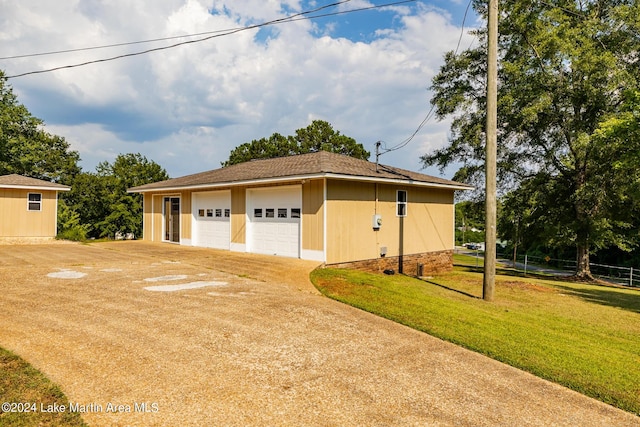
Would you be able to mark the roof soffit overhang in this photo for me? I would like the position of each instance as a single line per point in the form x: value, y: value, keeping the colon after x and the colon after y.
x: 298, y: 179
x: 33, y: 187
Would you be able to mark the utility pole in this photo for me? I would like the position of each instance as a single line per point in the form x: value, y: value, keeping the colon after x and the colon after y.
x: 488, y: 284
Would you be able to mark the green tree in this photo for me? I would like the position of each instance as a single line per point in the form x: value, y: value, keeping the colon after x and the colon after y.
x: 527, y: 216
x: 264, y: 148
x: 124, y: 209
x: 90, y: 198
x: 318, y: 136
x: 70, y: 226
x: 125, y: 217
x: 101, y: 198
x: 565, y: 68
x: 469, y: 217
x: 132, y: 170
x: 26, y: 149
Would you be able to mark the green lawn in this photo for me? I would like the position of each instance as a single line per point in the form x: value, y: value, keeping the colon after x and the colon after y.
x: 23, y: 385
x: 586, y: 337
x: 463, y: 259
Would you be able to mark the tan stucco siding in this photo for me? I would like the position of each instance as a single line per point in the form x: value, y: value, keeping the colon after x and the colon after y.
x: 428, y: 226
x: 238, y: 215
x: 154, y: 215
x: 154, y: 220
x: 18, y: 221
x: 337, y: 219
x: 147, y: 215
x: 157, y: 217
x: 313, y: 215
x: 185, y: 215
x: 350, y: 206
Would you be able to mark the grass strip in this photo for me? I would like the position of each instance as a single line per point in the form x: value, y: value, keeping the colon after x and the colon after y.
x: 585, y: 337
x: 27, y: 389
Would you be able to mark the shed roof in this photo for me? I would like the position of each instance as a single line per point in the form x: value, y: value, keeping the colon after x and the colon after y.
x: 25, y: 182
x: 311, y: 165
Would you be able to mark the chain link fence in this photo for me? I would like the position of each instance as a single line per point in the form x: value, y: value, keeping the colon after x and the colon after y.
x: 625, y: 276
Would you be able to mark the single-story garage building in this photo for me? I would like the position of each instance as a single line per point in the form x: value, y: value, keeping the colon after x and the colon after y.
x: 28, y: 208
x: 319, y: 206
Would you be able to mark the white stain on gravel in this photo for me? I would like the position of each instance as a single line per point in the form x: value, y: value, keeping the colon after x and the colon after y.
x: 111, y: 270
x: 166, y: 278
x: 184, y: 286
x: 67, y: 274
x: 232, y: 295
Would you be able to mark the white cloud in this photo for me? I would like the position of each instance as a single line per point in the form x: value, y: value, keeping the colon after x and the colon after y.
x: 187, y: 107
x: 355, y: 4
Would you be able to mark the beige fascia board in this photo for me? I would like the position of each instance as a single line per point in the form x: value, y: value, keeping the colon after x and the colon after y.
x: 399, y: 182
x: 29, y: 187
x: 295, y: 178
x: 222, y: 184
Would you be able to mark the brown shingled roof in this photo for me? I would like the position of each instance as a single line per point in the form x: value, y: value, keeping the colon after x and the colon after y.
x: 320, y: 163
x: 19, y: 181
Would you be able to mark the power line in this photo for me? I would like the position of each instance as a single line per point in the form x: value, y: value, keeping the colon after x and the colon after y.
x: 233, y: 31
x: 413, y: 135
x: 292, y: 18
x: 29, y: 55
x: 83, y: 49
x: 464, y: 19
x: 580, y: 14
x: 430, y: 113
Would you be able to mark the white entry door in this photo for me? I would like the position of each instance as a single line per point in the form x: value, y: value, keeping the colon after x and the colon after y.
x: 274, y: 220
x: 212, y: 219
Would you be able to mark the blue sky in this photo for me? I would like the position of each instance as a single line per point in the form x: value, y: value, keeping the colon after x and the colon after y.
x: 367, y: 73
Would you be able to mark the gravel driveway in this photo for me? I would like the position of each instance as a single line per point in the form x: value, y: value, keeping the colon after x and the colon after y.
x: 206, y: 337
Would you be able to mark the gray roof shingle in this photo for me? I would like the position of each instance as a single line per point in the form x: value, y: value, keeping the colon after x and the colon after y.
x: 299, y: 166
x: 19, y: 181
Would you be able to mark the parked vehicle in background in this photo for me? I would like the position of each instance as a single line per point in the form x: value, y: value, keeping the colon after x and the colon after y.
x: 474, y: 246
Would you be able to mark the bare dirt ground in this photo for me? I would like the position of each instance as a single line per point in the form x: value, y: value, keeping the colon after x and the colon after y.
x: 246, y: 340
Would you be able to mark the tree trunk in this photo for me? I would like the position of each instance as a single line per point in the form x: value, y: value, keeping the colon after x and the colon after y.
x: 583, y: 270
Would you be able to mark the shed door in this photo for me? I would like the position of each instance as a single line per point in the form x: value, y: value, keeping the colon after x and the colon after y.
x: 211, y: 219
x: 274, y: 216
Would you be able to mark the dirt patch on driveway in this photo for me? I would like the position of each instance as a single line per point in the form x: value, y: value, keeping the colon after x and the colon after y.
x: 265, y: 348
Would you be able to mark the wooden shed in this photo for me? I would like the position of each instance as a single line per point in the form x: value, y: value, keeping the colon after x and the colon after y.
x: 28, y: 208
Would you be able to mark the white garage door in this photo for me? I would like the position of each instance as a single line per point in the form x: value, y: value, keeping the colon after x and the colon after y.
x: 212, y: 218
x: 274, y: 215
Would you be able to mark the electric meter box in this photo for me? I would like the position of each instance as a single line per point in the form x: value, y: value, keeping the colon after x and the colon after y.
x: 377, y: 222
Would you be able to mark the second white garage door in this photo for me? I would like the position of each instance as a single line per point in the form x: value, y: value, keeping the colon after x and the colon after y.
x: 212, y: 214
x: 274, y: 220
